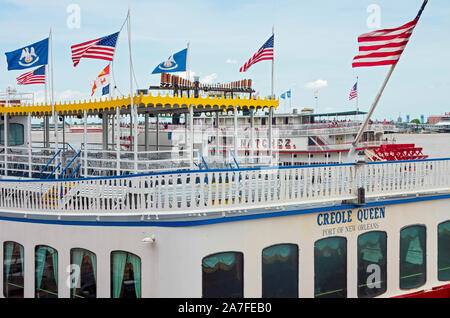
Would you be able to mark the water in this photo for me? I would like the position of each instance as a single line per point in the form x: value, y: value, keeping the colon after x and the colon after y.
x: 434, y: 145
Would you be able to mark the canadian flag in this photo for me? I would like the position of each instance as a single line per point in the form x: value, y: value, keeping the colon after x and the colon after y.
x: 102, y: 79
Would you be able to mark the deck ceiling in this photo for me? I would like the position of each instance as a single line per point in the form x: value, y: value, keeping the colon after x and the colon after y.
x: 146, y: 104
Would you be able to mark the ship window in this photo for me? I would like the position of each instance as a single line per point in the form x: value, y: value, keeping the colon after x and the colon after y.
x: 125, y: 275
x: 444, y: 251
x: 372, y: 271
x: 330, y: 268
x: 412, y: 256
x: 13, y: 270
x: 222, y: 275
x: 46, y: 272
x: 84, y: 283
x: 16, y: 134
x: 280, y: 271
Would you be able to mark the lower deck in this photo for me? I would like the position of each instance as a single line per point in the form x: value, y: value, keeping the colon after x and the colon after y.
x: 385, y: 248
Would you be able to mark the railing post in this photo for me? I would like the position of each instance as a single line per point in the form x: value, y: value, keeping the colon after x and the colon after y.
x: 118, y: 131
x: 270, y: 137
x: 191, y: 136
x: 85, y: 143
x: 29, y: 145
x: 6, y: 137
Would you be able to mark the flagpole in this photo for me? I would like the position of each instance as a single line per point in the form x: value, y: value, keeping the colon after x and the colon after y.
x: 133, y: 110
x: 188, y: 61
x: 46, y: 119
x: 273, y: 60
x: 55, y: 119
x: 369, y: 114
x: 357, y: 94
x: 290, y: 99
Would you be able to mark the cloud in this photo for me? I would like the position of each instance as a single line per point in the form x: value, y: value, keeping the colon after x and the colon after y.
x: 230, y: 61
x: 184, y: 75
x: 64, y: 96
x: 316, y: 84
x: 208, y: 79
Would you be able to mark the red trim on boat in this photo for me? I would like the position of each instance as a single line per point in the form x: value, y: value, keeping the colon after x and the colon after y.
x: 435, y: 292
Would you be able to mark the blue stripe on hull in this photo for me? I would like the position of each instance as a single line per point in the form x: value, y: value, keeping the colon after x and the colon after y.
x: 225, y: 219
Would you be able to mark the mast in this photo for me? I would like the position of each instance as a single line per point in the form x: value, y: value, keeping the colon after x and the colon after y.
x: 357, y: 94
x: 52, y: 88
x: 273, y: 62
x: 133, y: 110
x: 270, y: 137
x: 188, y: 60
x: 372, y: 108
x: 46, y: 119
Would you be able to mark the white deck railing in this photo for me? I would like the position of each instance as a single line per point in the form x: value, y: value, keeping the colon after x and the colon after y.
x: 199, y: 192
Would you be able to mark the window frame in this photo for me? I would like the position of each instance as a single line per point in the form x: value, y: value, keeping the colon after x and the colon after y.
x: 111, y: 271
x: 357, y: 262
x: 424, y: 254
x: 346, y: 262
x: 23, y: 267
x: 297, y: 249
x: 57, y: 273
x: 2, y: 132
x: 224, y: 252
x: 95, y: 268
x: 437, y: 238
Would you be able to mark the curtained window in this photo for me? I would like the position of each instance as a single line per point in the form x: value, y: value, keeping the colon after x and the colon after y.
x: 125, y: 275
x: 280, y: 271
x: 412, y: 256
x: 13, y: 278
x: 372, y: 270
x: 84, y: 284
x: 46, y: 272
x: 222, y: 275
x: 330, y: 268
x: 444, y: 251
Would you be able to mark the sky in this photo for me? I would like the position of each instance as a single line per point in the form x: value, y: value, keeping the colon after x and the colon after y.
x: 315, y: 42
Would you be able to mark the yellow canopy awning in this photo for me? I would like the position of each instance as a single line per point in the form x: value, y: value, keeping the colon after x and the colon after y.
x: 145, y: 104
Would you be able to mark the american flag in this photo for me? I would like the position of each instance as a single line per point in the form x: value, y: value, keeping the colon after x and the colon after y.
x: 354, y: 92
x: 264, y: 53
x: 34, y: 77
x: 384, y: 47
x: 102, y: 48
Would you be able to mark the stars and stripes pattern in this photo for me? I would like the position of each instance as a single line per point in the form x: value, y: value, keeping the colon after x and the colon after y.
x: 354, y: 92
x: 384, y: 47
x: 102, y: 48
x: 264, y: 53
x: 34, y: 77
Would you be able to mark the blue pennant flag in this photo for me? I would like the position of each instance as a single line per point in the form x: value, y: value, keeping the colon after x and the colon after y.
x: 175, y: 63
x: 28, y: 56
x: 286, y: 95
x: 105, y: 90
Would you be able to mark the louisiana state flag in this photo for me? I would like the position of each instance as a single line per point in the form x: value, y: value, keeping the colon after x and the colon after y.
x: 175, y: 63
x: 29, y: 56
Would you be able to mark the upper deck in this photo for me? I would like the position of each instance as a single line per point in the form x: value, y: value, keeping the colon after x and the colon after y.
x: 197, y: 195
x: 49, y: 157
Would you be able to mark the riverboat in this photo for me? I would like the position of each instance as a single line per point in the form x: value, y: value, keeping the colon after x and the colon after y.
x: 141, y: 221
